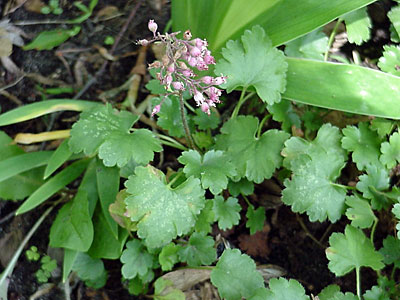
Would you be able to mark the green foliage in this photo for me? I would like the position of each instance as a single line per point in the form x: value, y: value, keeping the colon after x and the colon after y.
x: 358, y: 26
x: 254, y: 62
x: 47, y: 40
x: 163, y: 290
x: 359, y: 212
x: 136, y: 260
x: 169, y: 212
x: 106, y: 131
x: 394, y: 16
x: 32, y: 254
x: 235, y: 276
x: 283, y: 112
x: 282, y: 289
x: 255, y: 219
x: 226, y: 212
x: 208, y: 168
x: 205, y: 218
x: 372, y: 184
x: 312, y: 45
x: 243, y: 186
x: 390, y: 60
x: 47, y: 265
x: 199, y: 250
x: 364, y: 144
x: 396, y: 212
x: 391, y: 251
x: 391, y: 151
x: 351, y: 250
x: 328, y: 292
x: 205, y: 121
x: 316, y: 165
x: 255, y: 158
x: 169, y: 117
x: 90, y: 270
x: 168, y: 256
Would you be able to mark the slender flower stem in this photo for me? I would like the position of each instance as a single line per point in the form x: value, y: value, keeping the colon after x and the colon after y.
x: 308, y: 233
x: 261, y: 125
x: 373, y: 230
x: 358, y: 281
x: 247, y: 200
x: 331, y: 38
x: 185, y: 123
x: 242, y: 99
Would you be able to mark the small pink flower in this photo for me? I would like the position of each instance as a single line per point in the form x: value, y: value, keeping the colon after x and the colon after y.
x: 178, y: 85
x: 198, y: 97
x: 171, y: 68
x: 156, y: 110
x: 201, y: 65
x: 168, y: 80
x: 207, y: 80
x: 194, y: 51
x: 219, y: 80
x: 152, y: 26
x: 200, y: 43
x: 205, y: 108
x: 188, y: 73
x: 209, y: 59
x: 192, y: 61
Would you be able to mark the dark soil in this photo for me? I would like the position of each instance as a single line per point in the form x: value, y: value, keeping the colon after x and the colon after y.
x: 283, y: 243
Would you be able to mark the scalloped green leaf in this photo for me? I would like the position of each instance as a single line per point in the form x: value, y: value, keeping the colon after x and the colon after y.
x: 208, y: 168
x: 359, y: 212
x: 396, y: 212
x: 168, y: 256
x: 283, y: 112
x: 390, y: 60
x: 364, y: 143
x: 373, y: 184
x: 106, y: 131
x: 90, y: 270
x: 254, y: 62
x: 254, y: 158
x: 358, y: 25
x: 135, y: 259
x: 162, y: 213
x: 226, y: 212
x: 199, y: 251
x: 169, y: 117
x: 316, y: 166
x: 391, y: 251
x: 205, y: 121
x: 394, y: 16
x: 351, y: 250
x: 283, y: 289
x: 391, y: 151
x: 235, y: 276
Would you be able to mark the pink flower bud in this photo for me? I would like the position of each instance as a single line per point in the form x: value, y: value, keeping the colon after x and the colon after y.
x: 205, y: 108
x: 178, y: 85
x: 209, y: 59
x: 188, y: 73
x: 168, y: 80
x: 152, y: 26
x: 200, y: 43
x: 187, y: 35
x: 201, y: 65
x: 207, y: 80
x: 143, y: 42
x: 194, y: 51
x: 192, y: 61
x: 171, y: 68
x: 220, y: 80
x: 156, y: 110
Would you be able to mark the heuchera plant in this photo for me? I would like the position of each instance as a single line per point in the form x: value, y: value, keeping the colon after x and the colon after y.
x: 161, y: 220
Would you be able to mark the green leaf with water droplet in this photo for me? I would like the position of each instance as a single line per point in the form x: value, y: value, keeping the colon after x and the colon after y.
x: 106, y: 131
x: 162, y: 213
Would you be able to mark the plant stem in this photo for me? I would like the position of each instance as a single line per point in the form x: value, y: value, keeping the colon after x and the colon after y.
x: 242, y: 99
x: 332, y: 37
x: 358, y: 281
x: 347, y: 187
x: 261, y: 125
x: 373, y: 230
x: 247, y: 200
x: 299, y: 219
x: 185, y: 123
x: 171, y: 142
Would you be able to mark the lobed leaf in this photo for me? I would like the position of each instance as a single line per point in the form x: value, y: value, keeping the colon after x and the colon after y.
x: 90, y: 270
x: 351, y: 250
x: 199, y: 251
x: 226, y: 212
x: 391, y: 251
x: 254, y: 158
x: 358, y: 25
x: 235, y: 276
x: 162, y: 213
x: 391, y: 151
x: 254, y: 62
x: 312, y: 45
x: 136, y: 260
x: 359, y: 212
x: 168, y: 256
x: 208, y: 169
x: 255, y: 219
x: 390, y: 61
x: 282, y: 289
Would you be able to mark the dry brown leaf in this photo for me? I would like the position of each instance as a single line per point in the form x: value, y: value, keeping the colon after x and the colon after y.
x: 256, y: 244
x: 184, y: 279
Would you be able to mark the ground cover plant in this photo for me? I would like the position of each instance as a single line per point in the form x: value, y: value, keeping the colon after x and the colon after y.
x: 240, y: 98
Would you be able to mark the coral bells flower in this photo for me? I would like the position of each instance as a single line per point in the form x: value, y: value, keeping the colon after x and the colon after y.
x: 183, y: 58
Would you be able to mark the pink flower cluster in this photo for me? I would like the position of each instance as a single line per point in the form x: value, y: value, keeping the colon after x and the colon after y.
x: 178, y: 66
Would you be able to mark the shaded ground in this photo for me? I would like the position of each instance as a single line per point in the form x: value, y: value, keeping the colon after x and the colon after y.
x: 283, y: 242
